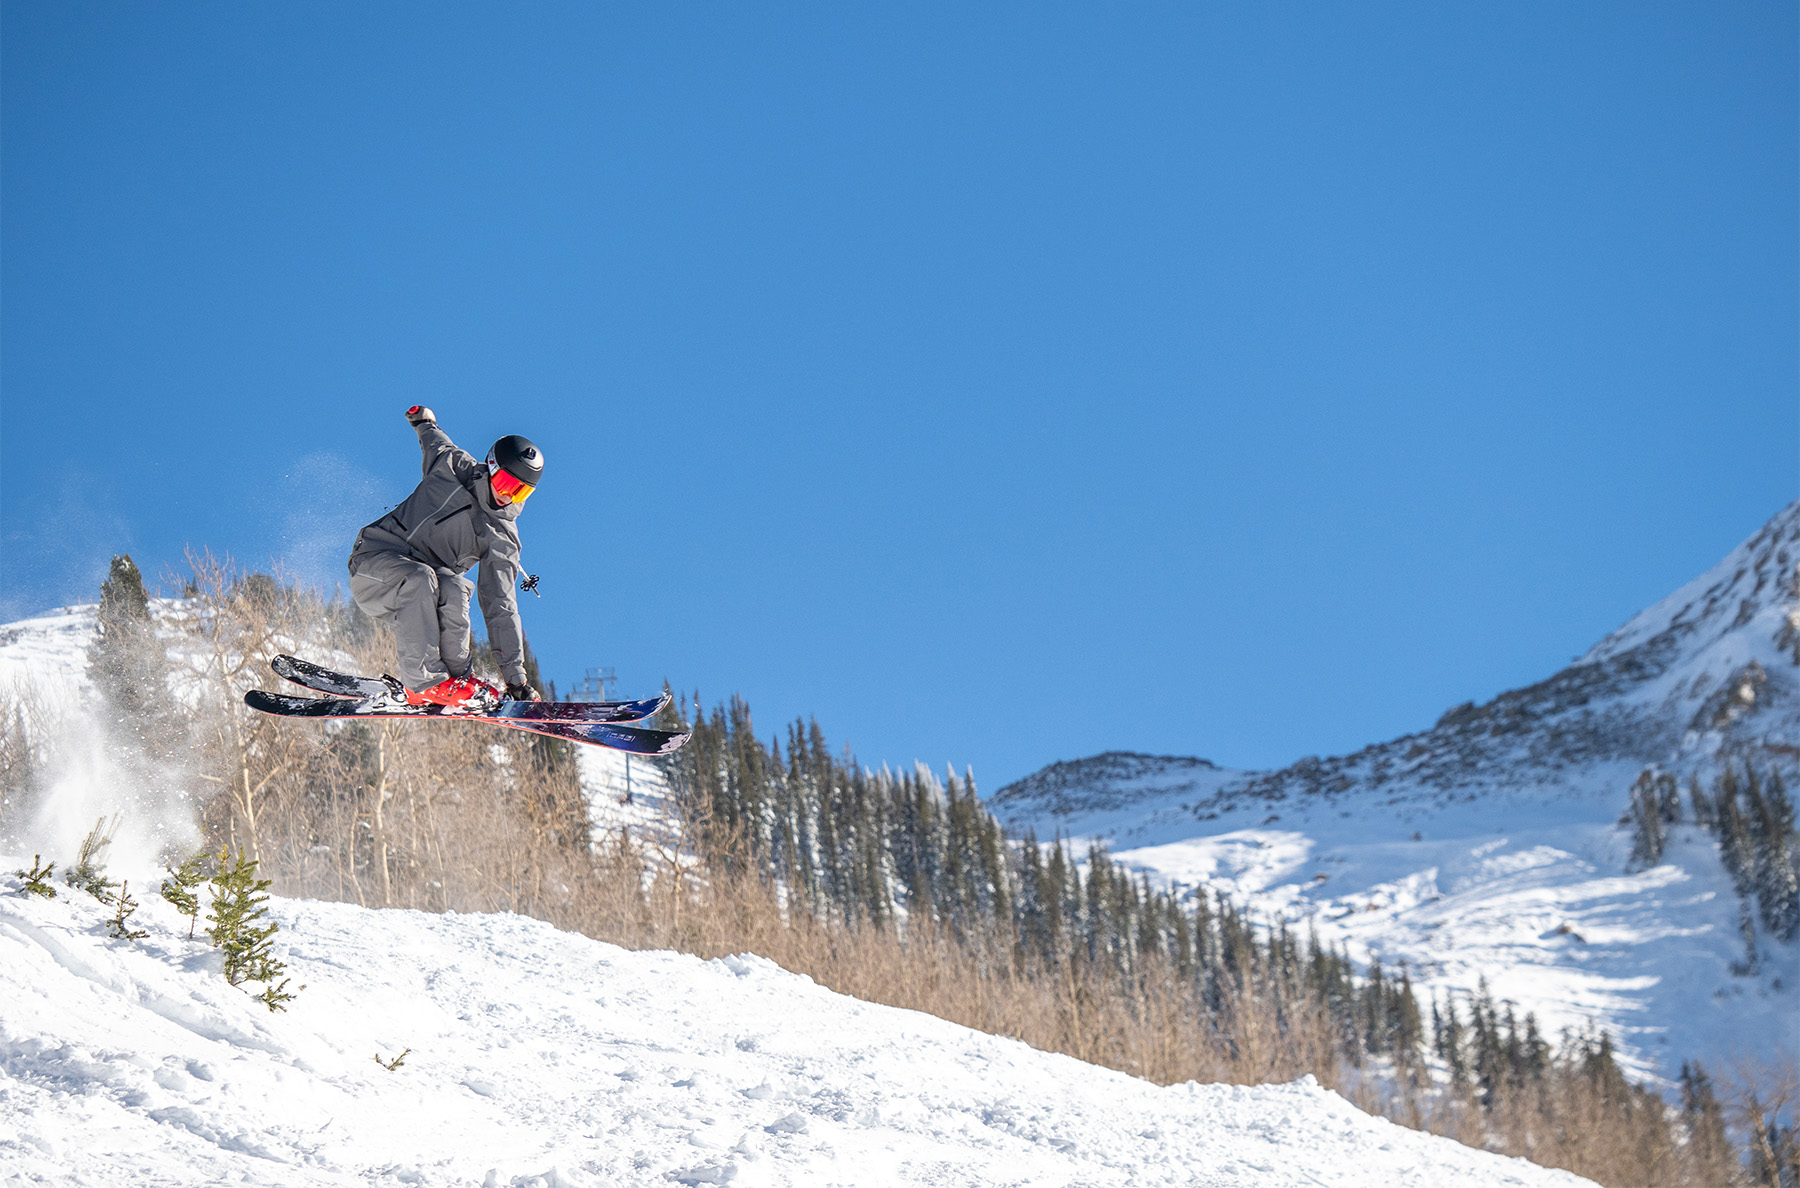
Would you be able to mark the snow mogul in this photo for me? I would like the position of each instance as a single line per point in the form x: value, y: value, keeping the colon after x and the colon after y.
x: 406, y: 569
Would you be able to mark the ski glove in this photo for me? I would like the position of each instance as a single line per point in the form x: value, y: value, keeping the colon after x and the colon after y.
x: 418, y: 415
x: 522, y: 692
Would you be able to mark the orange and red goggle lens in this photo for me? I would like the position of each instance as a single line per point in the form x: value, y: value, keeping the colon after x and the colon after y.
x: 509, y: 489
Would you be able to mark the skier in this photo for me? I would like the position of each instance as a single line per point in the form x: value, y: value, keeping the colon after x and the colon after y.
x: 406, y: 568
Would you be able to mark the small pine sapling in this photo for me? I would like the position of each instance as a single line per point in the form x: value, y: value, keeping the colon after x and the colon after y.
x: 121, y: 921
x: 238, y: 897
x: 89, y: 871
x: 276, y: 997
x: 37, y: 879
x: 394, y: 1064
x: 182, y: 888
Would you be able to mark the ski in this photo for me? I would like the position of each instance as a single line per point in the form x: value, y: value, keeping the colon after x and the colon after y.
x: 375, y: 689
x: 636, y: 739
x: 312, y: 676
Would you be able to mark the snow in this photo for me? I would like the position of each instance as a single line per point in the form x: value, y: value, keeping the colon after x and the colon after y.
x: 1489, y: 847
x: 47, y: 655
x: 541, y: 1057
x: 628, y: 793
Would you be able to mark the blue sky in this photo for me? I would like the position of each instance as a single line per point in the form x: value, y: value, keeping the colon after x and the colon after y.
x: 998, y: 383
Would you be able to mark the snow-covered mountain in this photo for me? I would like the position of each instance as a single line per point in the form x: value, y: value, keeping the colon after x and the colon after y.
x: 541, y: 1058
x: 1489, y: 846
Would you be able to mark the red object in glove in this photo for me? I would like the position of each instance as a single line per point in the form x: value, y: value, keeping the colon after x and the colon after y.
x: 418, y: 414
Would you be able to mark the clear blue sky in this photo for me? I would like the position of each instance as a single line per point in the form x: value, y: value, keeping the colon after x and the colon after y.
x: 999, y: 383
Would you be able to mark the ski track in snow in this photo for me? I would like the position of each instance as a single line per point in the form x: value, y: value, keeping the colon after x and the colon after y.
x: 545, y: 1058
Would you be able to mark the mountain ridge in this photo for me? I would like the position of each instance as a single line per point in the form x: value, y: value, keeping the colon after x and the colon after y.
x: 1490, y: 847
x: 1564, y: 718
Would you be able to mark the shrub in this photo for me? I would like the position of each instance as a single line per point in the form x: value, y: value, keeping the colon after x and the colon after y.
x: 238, y: 903
x: 121, y: 926
x: 182, y: 888
x: 37, y: 879
x: 89, y: 871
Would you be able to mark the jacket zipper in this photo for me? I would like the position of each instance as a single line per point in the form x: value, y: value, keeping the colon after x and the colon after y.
x: 434, y: 511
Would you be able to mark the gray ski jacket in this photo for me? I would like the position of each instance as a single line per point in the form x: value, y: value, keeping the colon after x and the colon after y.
x: 451, y: 523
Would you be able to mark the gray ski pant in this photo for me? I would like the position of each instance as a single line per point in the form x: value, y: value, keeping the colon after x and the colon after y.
x: 427, y: 608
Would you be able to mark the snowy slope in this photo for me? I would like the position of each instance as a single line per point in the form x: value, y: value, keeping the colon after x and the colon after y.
x: 545, y: 1058
x: 47, y: 654
x: 629, y: 793
x: 1489, y: 845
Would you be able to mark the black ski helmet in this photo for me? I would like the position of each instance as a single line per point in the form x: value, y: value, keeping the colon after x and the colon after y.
x: 518, y: 457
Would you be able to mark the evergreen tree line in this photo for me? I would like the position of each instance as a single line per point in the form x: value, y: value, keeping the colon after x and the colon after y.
x: 1752, y: 817
x: 905, y: 852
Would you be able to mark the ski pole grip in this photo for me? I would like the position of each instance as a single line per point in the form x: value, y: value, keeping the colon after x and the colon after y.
x: 418, y: 415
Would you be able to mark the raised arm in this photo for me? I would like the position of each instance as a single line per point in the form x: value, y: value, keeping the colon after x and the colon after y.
x: 435, y: 444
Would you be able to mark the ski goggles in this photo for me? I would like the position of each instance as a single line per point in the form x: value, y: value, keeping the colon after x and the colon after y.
x: 509, y: 488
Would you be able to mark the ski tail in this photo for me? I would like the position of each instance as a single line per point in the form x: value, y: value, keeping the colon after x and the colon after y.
x: 339, y: 684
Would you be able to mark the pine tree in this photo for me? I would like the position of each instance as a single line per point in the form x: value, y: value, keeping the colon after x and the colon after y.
x: 1771, y: 817
x: 37, y: 879
x: 1669, y: 798
x: 1374, y: 1010
x: 238, y: 904
x: 1747, y: 930
x: 1704, y: 1119
x: 1602, y: 1069
x: 1537, y: 1052
x: 1409, y: 1026
x: 89, y: 872
x: 1647, y: 815
x: 1056, y: 878
x: 126, y: 661
x: 129, y: 667
x: 1451, y: 1049
x: 182, y: 888
x: 1704, y: 815
x: 1735, y: 849
x: 121, y: 921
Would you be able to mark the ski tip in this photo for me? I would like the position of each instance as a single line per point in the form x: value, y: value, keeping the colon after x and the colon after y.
x: 637, y: 740
x: 672, y: 744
